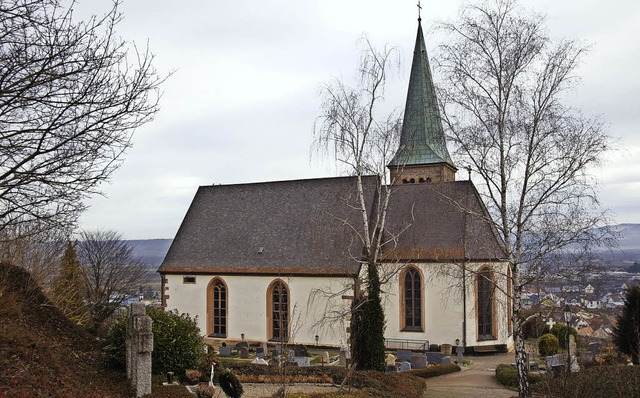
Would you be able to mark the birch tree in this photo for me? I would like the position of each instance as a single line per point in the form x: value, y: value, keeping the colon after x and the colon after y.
x: 354, y: 130
x: 503, y: 106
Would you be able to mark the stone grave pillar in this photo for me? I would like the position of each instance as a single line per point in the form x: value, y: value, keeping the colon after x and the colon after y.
x: 139, y: 346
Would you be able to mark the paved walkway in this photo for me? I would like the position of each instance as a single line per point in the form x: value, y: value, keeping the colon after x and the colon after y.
x: 475, y: 380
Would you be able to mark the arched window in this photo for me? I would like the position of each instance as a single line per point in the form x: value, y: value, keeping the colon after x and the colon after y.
x: 278, y: 310
x: 411, y: 296
x: 485, y: 304
x: 217, y: 308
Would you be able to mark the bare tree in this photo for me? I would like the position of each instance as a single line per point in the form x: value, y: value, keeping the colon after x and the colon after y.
x: 502, y: 104
x: 362, y: 140
x: 71, y: 96
x: 111, y: 273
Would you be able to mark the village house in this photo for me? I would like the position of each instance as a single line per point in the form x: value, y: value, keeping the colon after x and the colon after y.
x: 280, y: 261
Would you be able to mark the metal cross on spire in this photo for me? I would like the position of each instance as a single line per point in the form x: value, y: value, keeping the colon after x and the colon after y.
x: 419, y: 9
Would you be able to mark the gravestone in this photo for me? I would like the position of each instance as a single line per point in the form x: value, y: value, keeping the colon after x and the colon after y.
x: 244, y: 352
x: 405, y: 366
x: 404, y: 355
x: 300, y: 350
x: 594, y: 348
x: 345, y: 355
x: 224, y: 351
x: 139, y: 346
x: 418, y: 361
x: 242, y: 344
x: 555, y: 364
x: 302, y: 361
x: 446, y: 361
x: 572, y: 344
x: 434, y: 357
x: 278, y: 349
x: 260, y: 352
x: 291, y: 356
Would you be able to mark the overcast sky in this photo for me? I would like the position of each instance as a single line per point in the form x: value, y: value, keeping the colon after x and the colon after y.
x: 241, y: 103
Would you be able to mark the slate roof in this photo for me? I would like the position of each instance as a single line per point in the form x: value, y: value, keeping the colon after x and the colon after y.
x: 444, y: 221
x: 304, y: 228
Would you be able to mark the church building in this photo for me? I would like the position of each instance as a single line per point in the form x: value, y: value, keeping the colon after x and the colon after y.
x: 279, y: 261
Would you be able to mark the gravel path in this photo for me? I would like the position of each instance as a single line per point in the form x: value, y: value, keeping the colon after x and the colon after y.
x: 476, y: 380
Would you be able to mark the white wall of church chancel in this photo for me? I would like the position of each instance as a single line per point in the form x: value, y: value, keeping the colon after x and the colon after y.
x: 248, y: 300
x: 441, y: 301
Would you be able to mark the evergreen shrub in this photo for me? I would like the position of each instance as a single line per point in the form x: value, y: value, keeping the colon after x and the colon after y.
x: 548, y: 345
x: 508, y: 376
x: 433, y: 371
x: 177, y: 343
x: 561, y: 333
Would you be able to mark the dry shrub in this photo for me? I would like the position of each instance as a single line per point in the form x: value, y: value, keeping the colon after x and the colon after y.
x: 206, y: 391
x: 599, y: 381
x: 275, y: 379
x: 193, y: 375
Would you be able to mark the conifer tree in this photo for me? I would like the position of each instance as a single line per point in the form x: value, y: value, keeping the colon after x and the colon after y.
x: 626, y: 334
x: 69, y: 287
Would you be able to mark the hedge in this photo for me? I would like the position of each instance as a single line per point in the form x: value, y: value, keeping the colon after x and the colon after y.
x: 508, y: 376
x: 435, y: 370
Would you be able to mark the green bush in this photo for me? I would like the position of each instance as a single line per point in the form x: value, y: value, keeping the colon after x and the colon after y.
x: 115, y: 350
x: 433, y: 371
x: 548, y: 345
x: 560, y: 331
x: 177, y: 343
x: 230, y: 384
x: 508, y: 376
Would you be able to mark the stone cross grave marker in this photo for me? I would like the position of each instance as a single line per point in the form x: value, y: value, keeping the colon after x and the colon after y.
x: 139, y: 345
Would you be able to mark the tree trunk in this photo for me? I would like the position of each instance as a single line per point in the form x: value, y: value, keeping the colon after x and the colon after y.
x: 521, y: 355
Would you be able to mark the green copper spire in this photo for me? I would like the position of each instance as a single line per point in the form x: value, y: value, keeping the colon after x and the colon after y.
x: 422, y: 138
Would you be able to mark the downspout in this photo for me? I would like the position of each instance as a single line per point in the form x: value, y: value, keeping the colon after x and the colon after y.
x: 464, y: 264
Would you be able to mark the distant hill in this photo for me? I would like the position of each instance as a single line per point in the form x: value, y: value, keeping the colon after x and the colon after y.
x: 628, y: 250
x: 629, y: 236
x: 150, y: 251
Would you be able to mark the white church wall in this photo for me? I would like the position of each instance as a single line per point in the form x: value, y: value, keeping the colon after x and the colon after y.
x: 443, y: 306
x: 247, y: 305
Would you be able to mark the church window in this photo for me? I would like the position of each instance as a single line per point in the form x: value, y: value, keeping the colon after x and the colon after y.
x: 413, y: 180
x: 428, y: 179
x: 278, y: 303
x: 217, y: 308
x: 405, y: 181
x: 485, y: 304
x: 412, y: 300
x: 421, y: 180
x: 188, y: 279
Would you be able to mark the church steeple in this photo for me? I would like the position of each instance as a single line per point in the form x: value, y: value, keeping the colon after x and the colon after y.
x: 422, y: 155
